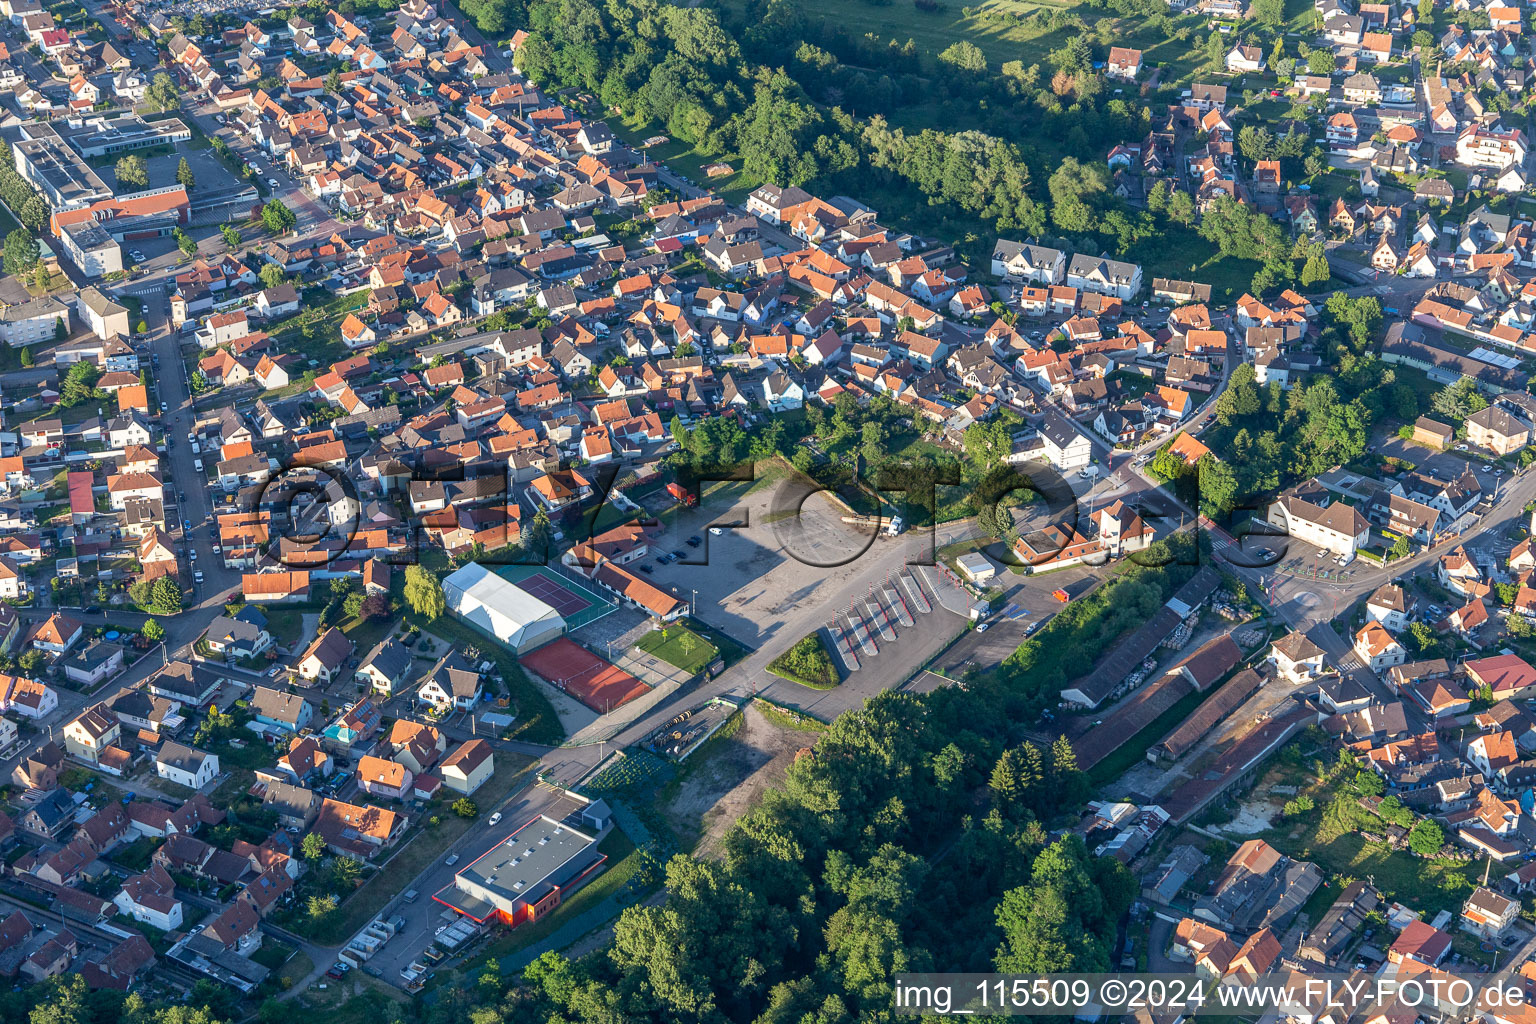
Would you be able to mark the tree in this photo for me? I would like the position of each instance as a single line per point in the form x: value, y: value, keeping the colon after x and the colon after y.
x: 167, y: 595
x: 344, y: 872
x: 21, y: 251
x: 1255, y: 142
x: 185, y: 176
x: 271, y: 275
x: 231, y: 235
x: 1016, y: 777
x: 352, y: 607
x: 321, y: 906
x: 1315, y: 270
x: 374, y: 606
x: 26, y: 357
x: 1181, y: 208
x: 1074, y: 187
x: 163, y: 92
x: 313, y: 846
x: 1399, y: 549
x: 1422, y: 639
x: 214, y: 724
x: 185, y: 242
x: 964, y: 56
x: 63, y: 1002
x: 1247, y: 234
x: 1218, y: 487
x: 131, y: 170
x: 1321, y: 62
x: 464, y: 807
x: 1459, y: 400
x: 152, y: 631
x: 424, y: 593
x: 79, y: 384
x: 333, y: 81
x: 1426, y: 837
x: 277, y: 218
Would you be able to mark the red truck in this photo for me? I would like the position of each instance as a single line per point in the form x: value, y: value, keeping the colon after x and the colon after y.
x: 680, y: 493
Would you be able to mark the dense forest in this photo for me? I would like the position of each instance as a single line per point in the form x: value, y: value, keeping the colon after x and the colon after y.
x: 819, y: 113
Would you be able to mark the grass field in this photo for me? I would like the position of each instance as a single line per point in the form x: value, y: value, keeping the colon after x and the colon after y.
x: 808, y: 663
x: 680, y: 646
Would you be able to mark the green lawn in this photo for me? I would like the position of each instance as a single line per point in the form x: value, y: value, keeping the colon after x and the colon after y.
x: 365, y: 633
x: 285, y: 624
x: 679, y: 646
x: 1181, y: 253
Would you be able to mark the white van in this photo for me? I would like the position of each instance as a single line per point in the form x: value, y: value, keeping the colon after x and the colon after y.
x: 197, y: 464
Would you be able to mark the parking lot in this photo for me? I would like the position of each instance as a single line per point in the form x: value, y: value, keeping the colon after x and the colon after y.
x: 747, y: 579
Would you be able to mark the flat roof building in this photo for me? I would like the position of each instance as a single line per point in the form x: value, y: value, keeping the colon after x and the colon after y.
x: 47, y: 161
x: 526, y: 875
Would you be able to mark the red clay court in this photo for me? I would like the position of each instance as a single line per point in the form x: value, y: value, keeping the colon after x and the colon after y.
x: 598, y: 684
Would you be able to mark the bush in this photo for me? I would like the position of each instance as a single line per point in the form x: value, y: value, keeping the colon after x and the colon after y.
x: 464, y: 807
x: 808, y: 663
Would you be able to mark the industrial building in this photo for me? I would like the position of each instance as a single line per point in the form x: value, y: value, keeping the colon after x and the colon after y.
x: 501, y: 609
x: 526, y: 876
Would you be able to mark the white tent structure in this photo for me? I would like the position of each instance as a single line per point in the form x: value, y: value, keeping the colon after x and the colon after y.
x: 501, y: 609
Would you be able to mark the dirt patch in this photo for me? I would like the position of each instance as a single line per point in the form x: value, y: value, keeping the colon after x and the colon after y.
x: 1253, y: 817
x: 732, y: 777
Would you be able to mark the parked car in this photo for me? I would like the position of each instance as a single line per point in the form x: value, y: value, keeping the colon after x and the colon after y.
x: 646, y: 568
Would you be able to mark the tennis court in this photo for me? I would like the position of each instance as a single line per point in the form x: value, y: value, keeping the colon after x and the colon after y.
x: 576, y: 604
x: 598, y: 684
